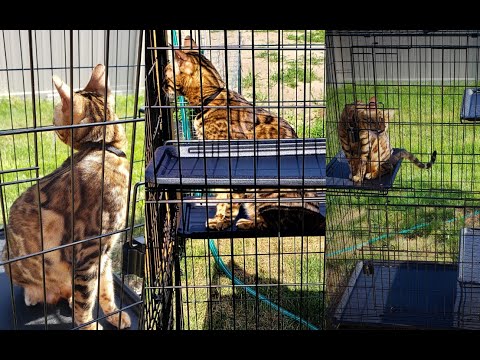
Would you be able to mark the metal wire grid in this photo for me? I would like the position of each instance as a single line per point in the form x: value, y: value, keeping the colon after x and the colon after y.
x: 192, y: 290
x: 422, y: 75
x: 30, y: 149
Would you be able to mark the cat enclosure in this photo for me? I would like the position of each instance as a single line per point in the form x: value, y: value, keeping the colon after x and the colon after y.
x: 236, y: 278
x: 402, y: 251
x: 30, y: 149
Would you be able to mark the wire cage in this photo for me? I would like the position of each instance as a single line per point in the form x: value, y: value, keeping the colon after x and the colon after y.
x: 205, y: 273
x: 33, y: 147
x: 394, y: 255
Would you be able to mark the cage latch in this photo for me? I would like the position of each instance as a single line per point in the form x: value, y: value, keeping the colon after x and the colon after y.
x: 134, y: 257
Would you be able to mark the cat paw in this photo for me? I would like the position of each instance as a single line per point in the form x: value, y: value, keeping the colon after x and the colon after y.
x: 245, y: 224
x: 368, y: 175
x: 356, y: 179
x: 125, y: 321
x: 217, y: 224
x: 92, y: 326
x: 30, y: 297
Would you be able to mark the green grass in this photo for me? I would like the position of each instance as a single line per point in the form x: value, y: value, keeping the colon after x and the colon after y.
x: 18, y: 151
x: 313, y: 36
x: 426, y: 118
x: 423, y: 214
x: 316, y: 129
x: 223, y: 308
x: 293, y: 74
x: 247, y: 81
x: 272, y: 56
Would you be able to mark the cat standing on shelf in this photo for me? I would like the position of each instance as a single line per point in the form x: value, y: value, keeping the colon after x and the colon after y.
x: 92, y: 214
x: 362, y: 130
x: 194, y: 76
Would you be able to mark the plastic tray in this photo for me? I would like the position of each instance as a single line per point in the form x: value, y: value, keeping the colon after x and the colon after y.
x: 400, y: 294
x: 468, y: 287
x: 194, y: 217
x: 471, y: 104
x: 59, y: 317
x: 338, y: 173
x: 469, y: 257
x: 239, y: 163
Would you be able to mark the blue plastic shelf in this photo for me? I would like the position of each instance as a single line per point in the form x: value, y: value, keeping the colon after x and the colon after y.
x: 338, y: 173
x: 471, y: 105
x: 295, y: 163
x: 194, y: 217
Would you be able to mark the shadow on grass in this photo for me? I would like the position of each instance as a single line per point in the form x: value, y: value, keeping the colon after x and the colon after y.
x: 242, y: 311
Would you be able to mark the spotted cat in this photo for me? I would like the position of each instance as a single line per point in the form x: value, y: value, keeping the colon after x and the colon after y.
x: 92, y: 214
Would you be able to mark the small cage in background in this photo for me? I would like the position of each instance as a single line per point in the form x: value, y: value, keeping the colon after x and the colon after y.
x: 394, y: 255
x: 30, y: 150
x: 232, y: 278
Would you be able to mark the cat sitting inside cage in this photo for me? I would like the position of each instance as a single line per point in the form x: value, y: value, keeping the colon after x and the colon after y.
x: 362, y: 130
x: 30, y: 231
x: 194, y: 76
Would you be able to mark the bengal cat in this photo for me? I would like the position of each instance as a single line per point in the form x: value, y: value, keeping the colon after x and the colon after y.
x: 195, y: 77
x: 92, y: 214
x: 362, y: 130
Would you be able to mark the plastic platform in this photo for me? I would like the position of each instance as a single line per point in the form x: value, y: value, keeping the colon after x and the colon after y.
x: 467, y: 303
x: 469, y: 257
x: 59, y: 317
x: 295, y: 163
x: 338, y: 173
x: 399, y: 294
x: 194, y: 217
x: 470, y: 105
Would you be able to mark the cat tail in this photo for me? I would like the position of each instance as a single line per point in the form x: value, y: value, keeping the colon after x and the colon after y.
x: 404, y: 154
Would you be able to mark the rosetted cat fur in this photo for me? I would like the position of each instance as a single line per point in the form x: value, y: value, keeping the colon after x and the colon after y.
x: 362, y: 130
x: 92, y: 214
x: 192, y: 75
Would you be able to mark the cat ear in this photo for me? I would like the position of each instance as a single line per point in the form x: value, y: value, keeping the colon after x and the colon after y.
x: 373, y: 100
x: 97, y: 81
x: 64, y: 92
x: 180, y: 56
x: 189, y: 43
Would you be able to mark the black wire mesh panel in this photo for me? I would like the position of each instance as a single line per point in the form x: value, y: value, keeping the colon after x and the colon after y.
x: 392, y: 256
x: 232, y: 277
x: 33, y: 146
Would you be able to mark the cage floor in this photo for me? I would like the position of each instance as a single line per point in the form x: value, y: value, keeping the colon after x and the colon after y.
x: 400, y: 294
x: 194, y: 218
x: 59, y: 317
x: 240, y: 163
x: 338, y: 173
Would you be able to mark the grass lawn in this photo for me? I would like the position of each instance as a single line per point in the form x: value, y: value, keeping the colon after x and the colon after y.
x: 297, y: 270
x: 423, y: 214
